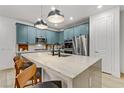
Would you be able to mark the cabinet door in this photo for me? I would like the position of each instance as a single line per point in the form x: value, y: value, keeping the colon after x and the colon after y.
x: 31, y: 35
x: 61, y: 37
x: 41, y: 33
x: 57, y: 37
x: 84, y: 29
x: 48, y: 36
x: 70, y: 33
x: 54, y: 37
x: 22, y: 33
x: 77, y: 31
x: 66, y: 34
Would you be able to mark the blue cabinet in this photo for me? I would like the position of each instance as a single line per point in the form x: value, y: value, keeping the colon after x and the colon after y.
x: 31, y: 35
x: 84, y: 29
x: 22, y: 33
x: 68, y: 34
x: 48, y: 36
x: 52, y: 37
x: 61, y: 37
x: 77, y: 31
x: 40, y: 33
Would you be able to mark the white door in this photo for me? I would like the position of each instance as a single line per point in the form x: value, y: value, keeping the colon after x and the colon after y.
x: 104, y: 40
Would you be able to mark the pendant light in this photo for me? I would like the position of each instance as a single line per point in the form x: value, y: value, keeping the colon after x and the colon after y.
x: 55, y: 16
x: 40, y: 23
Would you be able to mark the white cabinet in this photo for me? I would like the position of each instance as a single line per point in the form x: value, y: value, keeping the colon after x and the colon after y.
x: 104, y: 40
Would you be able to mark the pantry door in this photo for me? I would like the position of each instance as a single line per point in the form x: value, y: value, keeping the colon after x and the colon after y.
x: 104, y: 40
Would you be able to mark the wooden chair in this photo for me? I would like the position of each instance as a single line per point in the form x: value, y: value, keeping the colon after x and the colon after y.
x: 20, y: 65
x: 30, y: 72
x: 25, y: 75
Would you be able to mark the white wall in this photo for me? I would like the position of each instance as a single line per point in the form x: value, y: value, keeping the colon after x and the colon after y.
x: 7, y: 41
x: 122, y: 41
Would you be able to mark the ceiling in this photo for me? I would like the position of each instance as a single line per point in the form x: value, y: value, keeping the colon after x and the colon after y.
x: 30, y: 13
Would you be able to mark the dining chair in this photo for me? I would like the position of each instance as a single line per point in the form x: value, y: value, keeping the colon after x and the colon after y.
x: 30, y: 72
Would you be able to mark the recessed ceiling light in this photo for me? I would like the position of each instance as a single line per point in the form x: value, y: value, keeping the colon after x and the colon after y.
x: 55, y: 24
x: 99, y: 6
x: 71, y: 18
x: 53, y: 8
x: 38, y: 19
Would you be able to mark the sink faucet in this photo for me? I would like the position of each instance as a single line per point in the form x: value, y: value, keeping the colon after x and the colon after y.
x: 53, y: 51
x: 59, y: 52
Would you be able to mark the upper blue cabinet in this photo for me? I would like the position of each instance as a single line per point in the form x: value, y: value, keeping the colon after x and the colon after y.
x: 61, y: 37
x: 48, y: 36
x: 70, y: 33
x: 77, y: 31
x: 31, y: 35
x: 65, y: 34
x: 27, y: 34
x: 52, y: 37
x: 22, y: 33
x: 41, y: 33
x: 84, y: 29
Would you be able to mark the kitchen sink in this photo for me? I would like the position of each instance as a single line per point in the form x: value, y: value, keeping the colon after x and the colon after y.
x: 65, y: 55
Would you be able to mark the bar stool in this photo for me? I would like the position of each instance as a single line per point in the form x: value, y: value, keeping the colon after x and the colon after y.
x: 21, y: 65
x: 30, y: 72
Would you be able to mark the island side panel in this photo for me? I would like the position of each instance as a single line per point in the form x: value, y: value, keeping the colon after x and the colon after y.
x: 90, y: 78
x: 49, y: 75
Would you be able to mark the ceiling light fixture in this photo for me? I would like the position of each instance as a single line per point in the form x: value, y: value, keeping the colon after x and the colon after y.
x: 55, y: 16
x: 99, y: 6
x: 56, y: 24
x: 40, y: 23
x: 53, y: 8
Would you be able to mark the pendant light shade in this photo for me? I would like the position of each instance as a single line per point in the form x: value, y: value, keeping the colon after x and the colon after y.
x: 55, y: 16
x: 41, y: 24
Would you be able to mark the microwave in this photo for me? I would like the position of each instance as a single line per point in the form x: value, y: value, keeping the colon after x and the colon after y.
x: 40, y: 40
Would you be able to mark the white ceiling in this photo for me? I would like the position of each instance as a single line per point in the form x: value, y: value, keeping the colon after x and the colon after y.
x: 30, y: 13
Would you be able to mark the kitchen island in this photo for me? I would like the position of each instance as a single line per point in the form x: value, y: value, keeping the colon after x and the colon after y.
x: 74, y: 71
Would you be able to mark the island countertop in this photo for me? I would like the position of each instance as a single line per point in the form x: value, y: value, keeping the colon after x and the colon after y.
x: 68, y: 65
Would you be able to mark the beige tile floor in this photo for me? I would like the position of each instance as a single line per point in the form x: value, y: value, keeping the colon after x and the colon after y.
x: 7, y: 80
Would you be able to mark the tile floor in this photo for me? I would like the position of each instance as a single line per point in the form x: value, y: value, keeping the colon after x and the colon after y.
x: 7, y: 80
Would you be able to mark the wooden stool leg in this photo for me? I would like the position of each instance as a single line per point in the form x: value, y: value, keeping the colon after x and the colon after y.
x: 40, y: 79
x: 15, y: 84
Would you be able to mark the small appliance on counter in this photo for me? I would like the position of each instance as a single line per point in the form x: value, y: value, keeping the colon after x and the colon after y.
x: 22, y: 47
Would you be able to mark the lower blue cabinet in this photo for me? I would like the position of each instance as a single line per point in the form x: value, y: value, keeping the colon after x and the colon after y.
x: 31, y: 35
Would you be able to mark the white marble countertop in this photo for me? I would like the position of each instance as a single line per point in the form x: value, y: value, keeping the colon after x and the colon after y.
x: 31, y: 51
x: 70, y: 66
